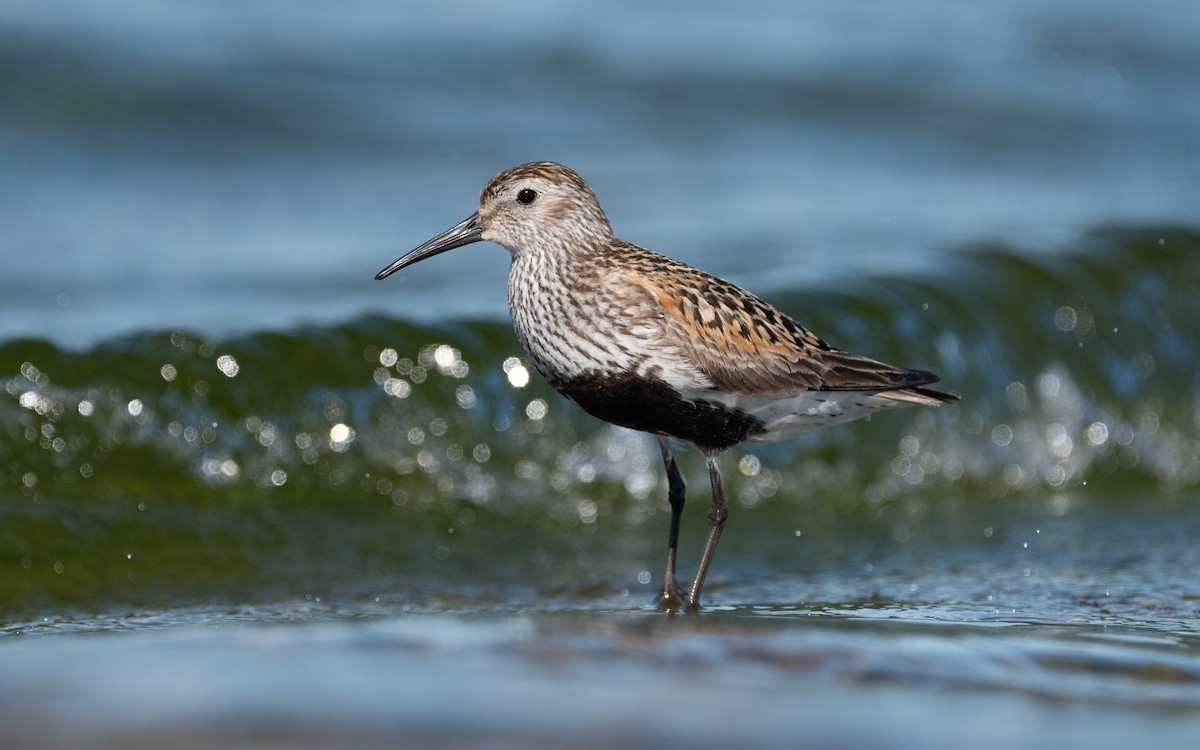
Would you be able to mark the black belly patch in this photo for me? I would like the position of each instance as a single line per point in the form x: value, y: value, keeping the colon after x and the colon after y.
x: 650, y: 405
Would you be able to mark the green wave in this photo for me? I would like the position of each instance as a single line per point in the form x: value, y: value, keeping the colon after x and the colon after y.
x: 152, y: 466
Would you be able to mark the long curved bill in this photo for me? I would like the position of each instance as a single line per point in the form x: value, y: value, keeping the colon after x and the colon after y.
x: 463, y: 233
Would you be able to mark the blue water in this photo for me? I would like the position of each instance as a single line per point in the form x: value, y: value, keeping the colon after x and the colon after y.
x: 244, y: 501
x: 227, y: 169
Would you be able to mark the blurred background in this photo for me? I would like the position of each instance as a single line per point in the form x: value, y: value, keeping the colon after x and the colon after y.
x: 211, y: 413
x: 229, y: 167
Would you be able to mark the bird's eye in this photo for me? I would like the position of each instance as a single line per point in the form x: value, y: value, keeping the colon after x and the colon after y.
x: 526, y: 196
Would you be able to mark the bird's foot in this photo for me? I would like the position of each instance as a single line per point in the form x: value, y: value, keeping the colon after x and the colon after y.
x: 672, y: 597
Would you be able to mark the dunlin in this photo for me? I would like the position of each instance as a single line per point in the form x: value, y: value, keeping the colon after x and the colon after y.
x: 647, y: 342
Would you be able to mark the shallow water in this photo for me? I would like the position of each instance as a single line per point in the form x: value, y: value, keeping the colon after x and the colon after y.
x: 250, y: 497
x: 600, y: 678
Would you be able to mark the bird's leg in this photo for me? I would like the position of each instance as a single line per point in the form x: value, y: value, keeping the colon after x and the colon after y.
x: 672, y: 596
x: 716, y: 522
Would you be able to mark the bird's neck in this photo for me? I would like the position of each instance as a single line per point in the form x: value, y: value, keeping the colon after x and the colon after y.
x: 544, y: 286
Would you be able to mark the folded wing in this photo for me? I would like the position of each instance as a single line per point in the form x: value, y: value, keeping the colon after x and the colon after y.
x: 746, y: 346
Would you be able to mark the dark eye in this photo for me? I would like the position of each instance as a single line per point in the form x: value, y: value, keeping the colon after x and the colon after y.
x: 526, y: 196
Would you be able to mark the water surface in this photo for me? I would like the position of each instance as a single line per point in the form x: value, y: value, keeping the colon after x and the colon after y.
x: 249, y: 496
